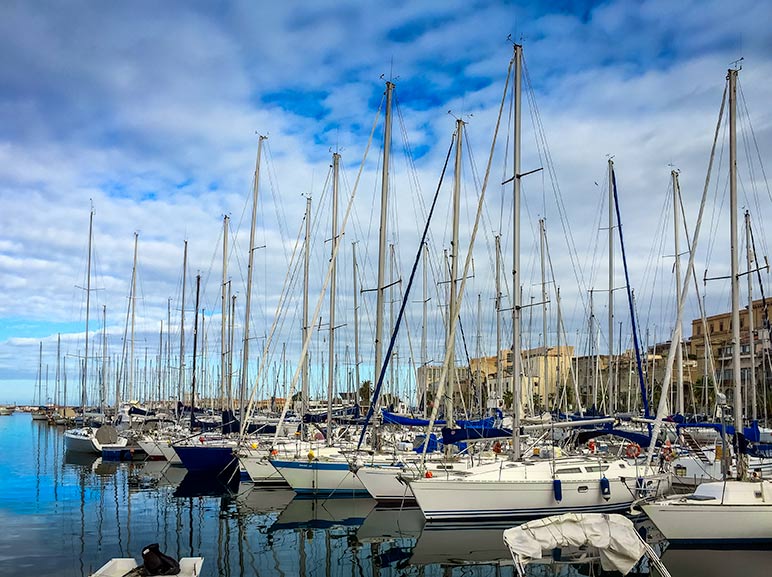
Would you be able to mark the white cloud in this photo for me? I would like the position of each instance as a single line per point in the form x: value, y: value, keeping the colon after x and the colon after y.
x: 150, y: 112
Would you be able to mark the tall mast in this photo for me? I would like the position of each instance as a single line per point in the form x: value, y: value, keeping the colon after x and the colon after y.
x: 58, y: 367
x: 181, y: 378
x: 306, y: 260
x: 424, y: 356
x: 737, y: 383
x: 676, y: 228
x: 40, y: 379
x: 160, y: 361
x: 516, y: 361
x: 379, y: 307
x: 88, y: 309
x: 103, y: 392
x: 610, y: 385
x: 750, y: 258
x: 543, y: 254
x: 231, y: 338
x: 450, y: 343
x: 334, y: 265
x: 245, y: 357
x: 133, y: 308
x: 356, y: 316
x: 195, y: 345
x: 168, y: 378
x: 224, y: 310
x: 499, y: 375
x: 395, y: 350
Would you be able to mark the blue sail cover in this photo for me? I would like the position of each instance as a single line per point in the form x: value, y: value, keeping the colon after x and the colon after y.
x: 452, y: 436
x: 752, y: 433
x: 395, y: 419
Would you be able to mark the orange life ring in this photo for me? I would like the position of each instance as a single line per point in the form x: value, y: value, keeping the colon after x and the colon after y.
x: 429, y: 475
x: 633, y: 450
x: 497, y: 447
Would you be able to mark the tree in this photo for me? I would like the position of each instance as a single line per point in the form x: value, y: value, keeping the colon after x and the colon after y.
x: 508, y: 397
x: 365, y: 390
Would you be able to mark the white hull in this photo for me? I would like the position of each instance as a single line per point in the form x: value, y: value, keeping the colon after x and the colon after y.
x: 725, y: 512
x: 159, y: 449
x: 319, y: 477
x: 260, y: 469
x: 87, y: 440
x: 506, y: 490
x: 384, y: 483
x: 76, y: 443
x: 464, y: 499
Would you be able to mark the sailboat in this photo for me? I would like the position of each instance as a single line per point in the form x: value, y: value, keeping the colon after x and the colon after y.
x: 538, y: 487
x: 91, y: 439
x: 737, y: 510
x: 328, y: 470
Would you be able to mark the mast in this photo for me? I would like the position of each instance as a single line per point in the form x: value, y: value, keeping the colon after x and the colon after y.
x: 195, y: 344
x: 168, y: 377
x: 516, y: 361
x: 450, y: 343
x: 88, y: 310
x: 133, y: 309
x: 499, y: 376
x: 103, y: 392
x: 40, y: 379
x: 736, y: 381
x: 356, y: 316
x: 224, y: 308
x: 334, y: 265
x: 610, y: 385
x: 182, y: 322
x: 58, y: 369
x: 542, y: 252
x: 679, y: 349
x: 159, y: 370
x: 306, y: 260
x: 250, y: 267
x: 231, y: 336
x: 395, y: 353
x: 750, y: 258
x: 379, y: 307
x: 424, y: 356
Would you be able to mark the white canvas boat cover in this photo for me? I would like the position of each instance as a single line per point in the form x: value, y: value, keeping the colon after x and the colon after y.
x: 614, y: 536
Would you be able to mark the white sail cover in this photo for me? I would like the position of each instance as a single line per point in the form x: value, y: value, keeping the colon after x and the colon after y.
x: 618, y: 543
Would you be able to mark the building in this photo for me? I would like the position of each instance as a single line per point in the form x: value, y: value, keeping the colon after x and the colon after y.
x: 718, y: 329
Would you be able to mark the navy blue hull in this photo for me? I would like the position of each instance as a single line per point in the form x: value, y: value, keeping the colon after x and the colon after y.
x: 208, y: 459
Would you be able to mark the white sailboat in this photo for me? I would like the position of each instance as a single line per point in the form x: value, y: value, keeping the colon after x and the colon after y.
x: 518, y: 488
x: 91, y: 439
x: 717, y: 512
x: 329, y: 470
x: 728, y: 511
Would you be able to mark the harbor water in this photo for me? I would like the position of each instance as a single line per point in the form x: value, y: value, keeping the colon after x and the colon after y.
x: 67, y: 514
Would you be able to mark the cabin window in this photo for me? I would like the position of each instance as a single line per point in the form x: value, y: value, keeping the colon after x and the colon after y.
x: 596, y: 468
x: 582, y: 489
x: 569, y: 471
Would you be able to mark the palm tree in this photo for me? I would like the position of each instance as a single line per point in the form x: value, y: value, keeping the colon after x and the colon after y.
x: 508, y: 397
x: 364, y: 392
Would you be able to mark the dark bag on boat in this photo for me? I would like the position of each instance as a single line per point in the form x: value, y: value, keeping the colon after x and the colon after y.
x: 156, y: 563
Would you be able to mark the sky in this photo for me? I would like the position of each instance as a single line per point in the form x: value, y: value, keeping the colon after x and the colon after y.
x: 149, y: 114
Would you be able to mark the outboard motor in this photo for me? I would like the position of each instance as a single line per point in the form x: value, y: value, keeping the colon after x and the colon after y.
x: 156, y: 563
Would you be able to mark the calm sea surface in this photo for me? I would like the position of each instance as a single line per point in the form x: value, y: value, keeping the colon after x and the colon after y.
x: 66, y: 515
